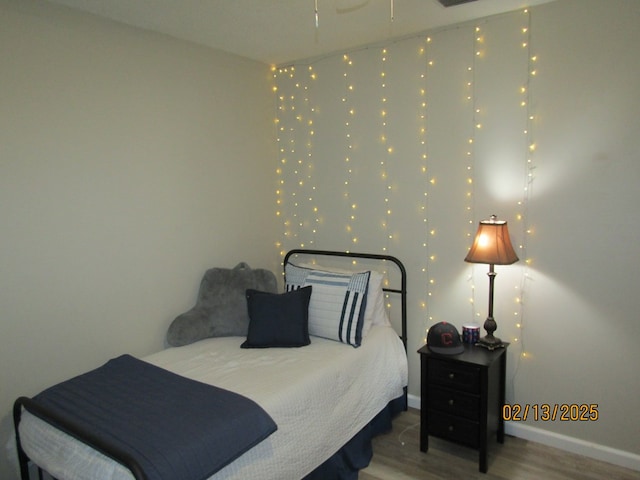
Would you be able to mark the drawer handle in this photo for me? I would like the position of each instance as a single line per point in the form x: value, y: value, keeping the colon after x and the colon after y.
x: 451, y: 402
x: 452, y: 376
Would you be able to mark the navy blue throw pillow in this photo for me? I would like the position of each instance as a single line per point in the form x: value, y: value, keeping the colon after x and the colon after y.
x: 278, y: 320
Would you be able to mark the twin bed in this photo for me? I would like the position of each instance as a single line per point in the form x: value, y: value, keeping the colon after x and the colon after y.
x: 314, y: 410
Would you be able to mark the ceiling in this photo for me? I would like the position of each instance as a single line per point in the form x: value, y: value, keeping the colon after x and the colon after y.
x: 282, y: 31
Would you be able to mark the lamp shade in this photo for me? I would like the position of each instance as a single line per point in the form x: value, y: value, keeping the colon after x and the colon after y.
x: 492, y: 244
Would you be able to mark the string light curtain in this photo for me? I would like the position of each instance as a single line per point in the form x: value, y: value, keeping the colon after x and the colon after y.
x: 335, y: 184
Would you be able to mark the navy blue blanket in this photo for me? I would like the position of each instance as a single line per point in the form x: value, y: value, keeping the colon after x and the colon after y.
x: 173, y: 427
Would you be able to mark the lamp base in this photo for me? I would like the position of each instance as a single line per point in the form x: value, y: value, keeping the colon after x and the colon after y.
x: 490, y: 342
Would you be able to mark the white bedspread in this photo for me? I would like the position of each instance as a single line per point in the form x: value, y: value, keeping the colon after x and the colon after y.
x: 320, y: 396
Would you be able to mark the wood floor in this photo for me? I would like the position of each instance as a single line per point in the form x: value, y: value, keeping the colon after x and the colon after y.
x: 397, y: 456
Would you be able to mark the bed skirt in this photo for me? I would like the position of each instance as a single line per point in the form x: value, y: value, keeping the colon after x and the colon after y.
x: 357, y: 452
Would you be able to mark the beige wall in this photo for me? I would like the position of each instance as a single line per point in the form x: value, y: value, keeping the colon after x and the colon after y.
x: 376, y: 157
x: 129, y: 163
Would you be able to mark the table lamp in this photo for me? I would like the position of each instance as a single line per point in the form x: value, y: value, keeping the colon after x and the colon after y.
x: 492, y: 246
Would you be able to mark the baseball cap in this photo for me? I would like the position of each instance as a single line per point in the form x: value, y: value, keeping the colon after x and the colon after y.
x: 444, y: 338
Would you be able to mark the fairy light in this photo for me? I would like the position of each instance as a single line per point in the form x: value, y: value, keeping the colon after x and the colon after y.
x: 295, y: 189
x: 476, y: 125
x: 431, y: 185
x: 523, y: 205
x: 387, y: 149
x: 311, y: 190
x: 350, y: 115
x: 386, y: 156
x: 423, y: 55
x: 284, y: 140
x: 277, y: 122
x: 296, y: 156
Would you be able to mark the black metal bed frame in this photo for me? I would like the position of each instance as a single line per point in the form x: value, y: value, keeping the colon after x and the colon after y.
x: 129, y: 462
x: 86, y: 437
x: 402, y: 291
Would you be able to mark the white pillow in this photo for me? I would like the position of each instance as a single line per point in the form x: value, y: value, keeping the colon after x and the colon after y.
x: 375, y: 312
x: 338, y: 302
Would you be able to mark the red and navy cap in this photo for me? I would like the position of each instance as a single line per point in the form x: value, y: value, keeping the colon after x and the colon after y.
x: 444, y: 338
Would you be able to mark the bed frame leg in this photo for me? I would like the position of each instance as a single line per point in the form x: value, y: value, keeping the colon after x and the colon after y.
x: 23, y: 460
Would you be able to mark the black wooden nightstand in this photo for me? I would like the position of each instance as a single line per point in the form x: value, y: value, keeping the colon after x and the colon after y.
x: 462, y: 397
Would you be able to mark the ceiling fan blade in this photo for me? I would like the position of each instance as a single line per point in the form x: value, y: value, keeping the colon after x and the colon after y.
x: 453, y: 3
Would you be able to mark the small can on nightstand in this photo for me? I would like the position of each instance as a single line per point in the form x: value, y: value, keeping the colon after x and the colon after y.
x: 471, y: 333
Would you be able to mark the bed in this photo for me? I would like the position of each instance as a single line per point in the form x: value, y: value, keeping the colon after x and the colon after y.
x: 327, y: 398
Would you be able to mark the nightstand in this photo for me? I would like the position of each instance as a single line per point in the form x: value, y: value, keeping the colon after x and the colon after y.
x: 462, y: 397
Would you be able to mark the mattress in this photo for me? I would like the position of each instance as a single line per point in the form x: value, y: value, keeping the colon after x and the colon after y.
x: 320, y: 396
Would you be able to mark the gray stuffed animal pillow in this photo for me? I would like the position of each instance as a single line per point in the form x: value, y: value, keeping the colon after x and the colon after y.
x: 221, y: 307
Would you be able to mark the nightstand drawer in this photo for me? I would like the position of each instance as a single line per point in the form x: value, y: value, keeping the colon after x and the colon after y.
x: 454, y: 402
x: 454, y: 428
x: 454, y: 375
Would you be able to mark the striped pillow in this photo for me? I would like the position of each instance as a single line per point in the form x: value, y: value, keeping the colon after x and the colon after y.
x: 338, y: 302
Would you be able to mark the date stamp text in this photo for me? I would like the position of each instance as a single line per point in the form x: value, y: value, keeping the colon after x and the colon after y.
x: 546, y: 412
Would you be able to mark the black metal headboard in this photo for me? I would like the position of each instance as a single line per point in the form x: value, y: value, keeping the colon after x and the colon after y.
x: 402, y: 290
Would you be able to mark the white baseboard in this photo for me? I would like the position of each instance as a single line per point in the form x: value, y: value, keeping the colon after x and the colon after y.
x: 574, y: 445
x: 563, y: 442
